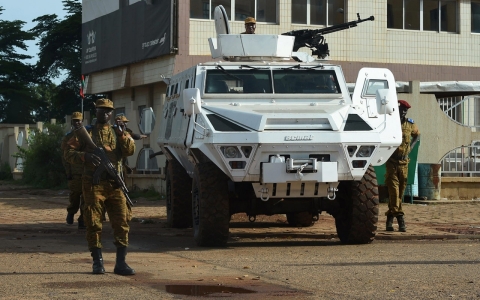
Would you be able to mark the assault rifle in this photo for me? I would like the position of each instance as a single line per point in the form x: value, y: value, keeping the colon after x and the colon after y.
x: 314, y: 39
x: 105, y: 163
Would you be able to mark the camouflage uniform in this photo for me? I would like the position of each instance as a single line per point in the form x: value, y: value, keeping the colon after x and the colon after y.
x: 74, y: 175
x: 106, y: 194
x: 397, y: 169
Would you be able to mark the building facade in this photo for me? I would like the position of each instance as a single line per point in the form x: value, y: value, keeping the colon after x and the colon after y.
x: 418, y: 40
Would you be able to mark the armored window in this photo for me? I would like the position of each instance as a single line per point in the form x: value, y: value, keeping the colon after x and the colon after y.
x: 238, y: 81
x: 318, y: 12
x: 424, y: 15
x: 475, y: 9
x: 305, y: 82
x: 371, y: 87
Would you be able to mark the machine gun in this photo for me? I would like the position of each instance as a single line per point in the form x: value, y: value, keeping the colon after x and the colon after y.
x: 315, y: 40
x: 105, y: 164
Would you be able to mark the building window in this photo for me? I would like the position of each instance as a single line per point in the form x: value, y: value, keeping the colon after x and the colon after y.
x: 261, y: 10
x: 119, y: 111
x: 475, y: 7
x: 318, y: 12
x: 424, y: 15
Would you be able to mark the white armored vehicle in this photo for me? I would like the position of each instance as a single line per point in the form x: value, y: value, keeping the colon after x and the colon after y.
x: 258, y: 132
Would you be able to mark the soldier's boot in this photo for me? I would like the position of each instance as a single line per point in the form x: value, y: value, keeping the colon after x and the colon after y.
x: 69, y: 219
x: 389, y: 224
x: 401, y: 224
x: 121, y: 267
x: 81, y: 223
x: 97, y: 261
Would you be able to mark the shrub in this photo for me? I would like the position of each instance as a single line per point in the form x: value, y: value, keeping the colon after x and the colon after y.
x: 5, y: 172
x: 42, y: 160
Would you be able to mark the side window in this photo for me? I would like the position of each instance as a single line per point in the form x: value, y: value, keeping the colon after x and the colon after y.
x: 176, y: 89
x: 187, y: 83
x: 373, y: 85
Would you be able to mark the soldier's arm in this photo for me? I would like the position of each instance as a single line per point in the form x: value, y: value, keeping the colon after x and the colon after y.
x: 126, y: 144
x: 415, y: 136
x: 66, y: 165
x: 74, y: 151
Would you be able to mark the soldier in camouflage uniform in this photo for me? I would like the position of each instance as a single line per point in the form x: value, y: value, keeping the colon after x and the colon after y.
x: 117, y: 145
x: 74, y: 177
x: 397, y: 169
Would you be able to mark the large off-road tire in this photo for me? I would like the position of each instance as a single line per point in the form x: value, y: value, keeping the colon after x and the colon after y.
x: 301, y: 219
x: 179, y: 196
x: 357, y: 218
x: 210, y: 206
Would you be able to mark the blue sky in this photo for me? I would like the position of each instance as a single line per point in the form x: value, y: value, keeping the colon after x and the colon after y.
x: 27, y: 10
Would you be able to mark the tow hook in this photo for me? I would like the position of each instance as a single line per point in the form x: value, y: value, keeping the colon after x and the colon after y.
x: 264, y: 191
x: 252, y: 218
x: 299, y: 174
x: 331, y: 193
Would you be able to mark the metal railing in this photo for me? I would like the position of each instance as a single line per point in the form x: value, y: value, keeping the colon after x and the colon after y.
x: 462, y: 161
x: 464, y: 111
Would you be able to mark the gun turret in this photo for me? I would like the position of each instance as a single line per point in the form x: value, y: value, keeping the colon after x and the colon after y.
x: 315, y: 40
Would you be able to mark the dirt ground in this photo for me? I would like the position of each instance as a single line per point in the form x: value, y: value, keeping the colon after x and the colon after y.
x: 32, y: 224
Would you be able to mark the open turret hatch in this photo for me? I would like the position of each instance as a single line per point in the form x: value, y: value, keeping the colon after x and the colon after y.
x: 247, y: 46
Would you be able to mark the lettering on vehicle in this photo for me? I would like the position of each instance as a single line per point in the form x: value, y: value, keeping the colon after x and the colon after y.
x: 298, y: 137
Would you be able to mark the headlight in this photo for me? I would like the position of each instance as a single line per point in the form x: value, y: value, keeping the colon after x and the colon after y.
x: 231, y: 152
x: 351, y: 150
x: 365, y: 151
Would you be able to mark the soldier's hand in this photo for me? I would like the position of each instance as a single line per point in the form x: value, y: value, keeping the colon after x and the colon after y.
x: 92, y: 158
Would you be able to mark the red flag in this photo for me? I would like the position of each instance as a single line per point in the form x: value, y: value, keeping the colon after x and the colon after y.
x: 82, y: 87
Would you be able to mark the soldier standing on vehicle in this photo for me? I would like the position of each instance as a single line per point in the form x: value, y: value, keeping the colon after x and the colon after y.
x: 117, y: 145
x: 74, y: 176
x: 397, y: 169
x: 250, y: 25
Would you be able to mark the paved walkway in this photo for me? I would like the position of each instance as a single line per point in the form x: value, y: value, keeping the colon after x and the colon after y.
x: 24, y: 208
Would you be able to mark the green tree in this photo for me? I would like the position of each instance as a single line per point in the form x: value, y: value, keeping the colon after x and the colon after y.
x: 17, y: 99
x: 60, y: 44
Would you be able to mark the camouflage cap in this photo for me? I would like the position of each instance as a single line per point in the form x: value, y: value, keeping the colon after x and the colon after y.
x: 104, y: 102
x: 121, y: 118
x: 77, y: 116
x: 250, y: 20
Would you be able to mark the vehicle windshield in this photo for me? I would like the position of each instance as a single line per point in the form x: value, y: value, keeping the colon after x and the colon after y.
x: 288, y: 81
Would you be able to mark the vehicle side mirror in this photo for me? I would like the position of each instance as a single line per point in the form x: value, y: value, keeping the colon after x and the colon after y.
x: 147, y: 121
x: 192, y: 102
x: 386, y: 102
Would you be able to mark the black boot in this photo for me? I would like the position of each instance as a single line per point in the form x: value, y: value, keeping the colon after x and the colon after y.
x: 121, y: 267
x: 389, y: 223
x: 69, y: 219
x: 97, y: 261
x: 401, y: 224
x: 81, y: 223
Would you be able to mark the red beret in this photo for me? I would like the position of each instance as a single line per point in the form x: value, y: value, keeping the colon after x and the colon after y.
x: 404, y: 103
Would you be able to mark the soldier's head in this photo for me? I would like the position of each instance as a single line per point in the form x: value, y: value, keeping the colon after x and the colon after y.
x: 104, y: 110
x: 403, y: 107
x: 122, y: 118
x: 77, y: 119
x: 250, y: 25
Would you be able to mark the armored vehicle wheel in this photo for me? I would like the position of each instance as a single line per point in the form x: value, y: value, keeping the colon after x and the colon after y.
x: 357, y: 218
x: 179, y: 206
x: 301, y: 219
x: 211, y: 215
